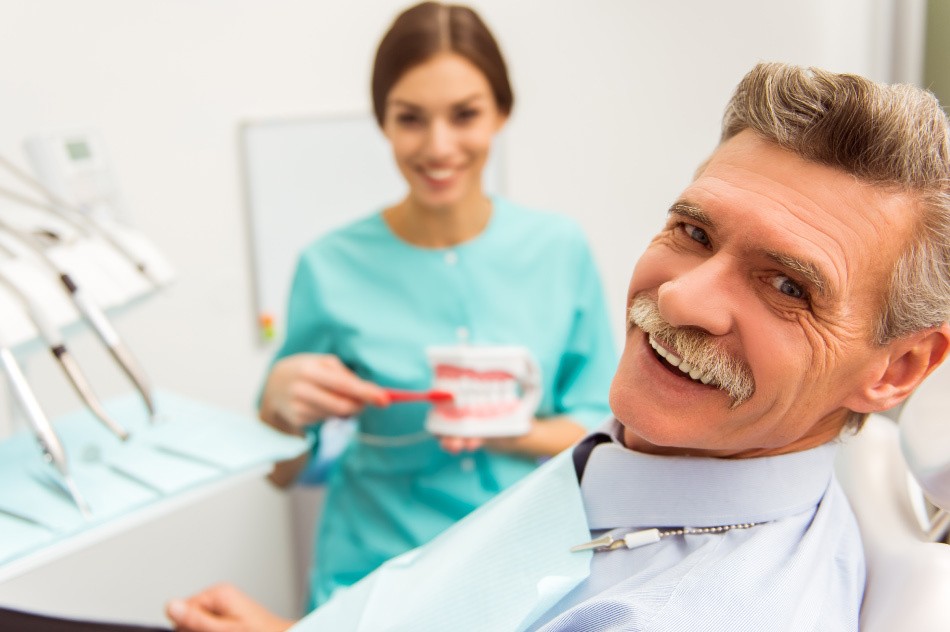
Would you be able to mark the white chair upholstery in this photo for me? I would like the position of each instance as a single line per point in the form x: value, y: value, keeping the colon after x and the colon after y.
x: 908, y: 583
x: 925, y: 436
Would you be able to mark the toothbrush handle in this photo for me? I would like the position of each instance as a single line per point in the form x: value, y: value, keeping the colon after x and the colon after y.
x: 397, y: 396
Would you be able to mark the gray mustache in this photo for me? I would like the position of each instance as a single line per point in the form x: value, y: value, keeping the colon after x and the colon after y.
x: 696, y: 347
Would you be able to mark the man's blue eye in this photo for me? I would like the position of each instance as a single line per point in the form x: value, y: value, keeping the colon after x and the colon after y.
x: 697, y: 234
x: 788, y: 287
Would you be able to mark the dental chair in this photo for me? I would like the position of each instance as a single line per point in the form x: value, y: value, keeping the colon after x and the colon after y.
x: 897, y: 477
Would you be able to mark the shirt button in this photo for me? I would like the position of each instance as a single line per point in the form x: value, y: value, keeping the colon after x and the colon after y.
x: 451, y: 257
x: 462, y: 334
x: 467, y: 464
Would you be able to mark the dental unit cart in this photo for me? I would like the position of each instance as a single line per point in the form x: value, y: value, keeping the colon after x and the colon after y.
x: 141, y: 489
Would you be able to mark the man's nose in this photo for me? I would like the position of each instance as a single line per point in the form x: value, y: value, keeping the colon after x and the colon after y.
x: 703, y: 297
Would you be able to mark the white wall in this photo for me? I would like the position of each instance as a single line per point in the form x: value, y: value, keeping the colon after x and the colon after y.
x: 617, y: 102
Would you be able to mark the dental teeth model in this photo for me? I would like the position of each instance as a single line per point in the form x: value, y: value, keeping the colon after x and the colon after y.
x: 495, y: 390
x: 475, y: 394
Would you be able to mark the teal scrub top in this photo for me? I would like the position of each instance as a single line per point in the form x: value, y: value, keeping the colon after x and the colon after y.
x: 377, y: 302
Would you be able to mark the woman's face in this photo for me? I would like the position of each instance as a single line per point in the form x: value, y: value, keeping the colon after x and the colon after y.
x: 440, y: 119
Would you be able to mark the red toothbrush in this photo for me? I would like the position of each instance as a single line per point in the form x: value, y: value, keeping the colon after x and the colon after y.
x: 397, y: 396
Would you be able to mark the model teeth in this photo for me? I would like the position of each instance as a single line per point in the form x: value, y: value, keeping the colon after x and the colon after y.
x: 477, y: 393
x: 693, y: 372
x: 470, y: 392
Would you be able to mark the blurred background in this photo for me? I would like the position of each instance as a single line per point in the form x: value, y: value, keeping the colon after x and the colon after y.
x: 617, y: 102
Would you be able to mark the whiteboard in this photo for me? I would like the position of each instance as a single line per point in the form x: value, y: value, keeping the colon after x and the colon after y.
x: 304, y: 177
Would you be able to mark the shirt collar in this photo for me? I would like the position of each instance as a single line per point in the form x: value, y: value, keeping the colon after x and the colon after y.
x: 625, y: 488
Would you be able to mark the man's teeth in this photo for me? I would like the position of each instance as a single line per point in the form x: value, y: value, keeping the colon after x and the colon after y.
x: 693, y: 372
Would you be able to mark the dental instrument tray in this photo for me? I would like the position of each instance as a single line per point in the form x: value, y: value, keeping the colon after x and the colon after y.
x: 192, y: 450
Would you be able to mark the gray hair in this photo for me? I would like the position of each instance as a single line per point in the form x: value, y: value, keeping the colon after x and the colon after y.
x: 894, y: 136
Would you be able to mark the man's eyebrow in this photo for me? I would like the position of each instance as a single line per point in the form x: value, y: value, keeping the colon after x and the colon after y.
x: 691, y: 212
x: 807, y: 269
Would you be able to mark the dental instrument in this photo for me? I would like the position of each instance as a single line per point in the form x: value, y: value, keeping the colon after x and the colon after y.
x: 91, y: 313
x: 86, y: 223
x: 57, y: 346
x: 75, y: 177
x: 49, y: 442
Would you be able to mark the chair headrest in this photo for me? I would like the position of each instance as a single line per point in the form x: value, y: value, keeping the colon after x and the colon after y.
x: 925, y: 436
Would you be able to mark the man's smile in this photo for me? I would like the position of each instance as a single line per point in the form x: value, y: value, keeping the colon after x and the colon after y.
x: 690, y: 353
x: 679, y: 366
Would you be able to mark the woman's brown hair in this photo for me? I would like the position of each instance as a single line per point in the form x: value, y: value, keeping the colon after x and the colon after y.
x: 430, y: 28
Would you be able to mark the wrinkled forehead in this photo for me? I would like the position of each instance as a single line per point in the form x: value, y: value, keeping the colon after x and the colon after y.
x: 771, y: 201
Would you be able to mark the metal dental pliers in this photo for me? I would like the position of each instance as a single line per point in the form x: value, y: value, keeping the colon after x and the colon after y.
x: 49, y: 442
x: 92, y: 314
x: 57, y: 346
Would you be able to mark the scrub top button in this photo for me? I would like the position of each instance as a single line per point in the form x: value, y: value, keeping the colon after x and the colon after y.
x: 451, y: 258
x: 462, y: 334
x: 467, y: 464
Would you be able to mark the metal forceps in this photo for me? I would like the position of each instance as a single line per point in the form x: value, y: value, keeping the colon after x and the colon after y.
x: 49, y: 442
x: 57, y: 346
x: 91, y: 313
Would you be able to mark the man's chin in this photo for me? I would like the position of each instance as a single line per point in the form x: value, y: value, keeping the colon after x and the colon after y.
x: 652, y: 440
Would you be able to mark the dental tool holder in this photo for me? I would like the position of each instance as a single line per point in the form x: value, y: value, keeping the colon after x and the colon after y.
x: 109, y: 278
x: 55, y: 270
x: 191, y: 454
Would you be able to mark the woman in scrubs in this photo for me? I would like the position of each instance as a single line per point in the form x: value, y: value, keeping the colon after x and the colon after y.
x: 445, y: 265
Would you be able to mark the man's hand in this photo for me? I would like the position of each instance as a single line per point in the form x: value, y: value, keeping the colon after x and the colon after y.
x: 223, y: 608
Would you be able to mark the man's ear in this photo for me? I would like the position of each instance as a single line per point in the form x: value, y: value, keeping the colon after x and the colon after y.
x: 909, y: 361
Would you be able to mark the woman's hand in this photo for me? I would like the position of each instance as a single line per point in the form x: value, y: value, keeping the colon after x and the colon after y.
x: 545, y: 438
x: 223, y: 608
x: 307, y: 387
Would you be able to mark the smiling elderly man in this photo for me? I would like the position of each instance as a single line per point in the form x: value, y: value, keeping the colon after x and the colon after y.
x: 800, y: 282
